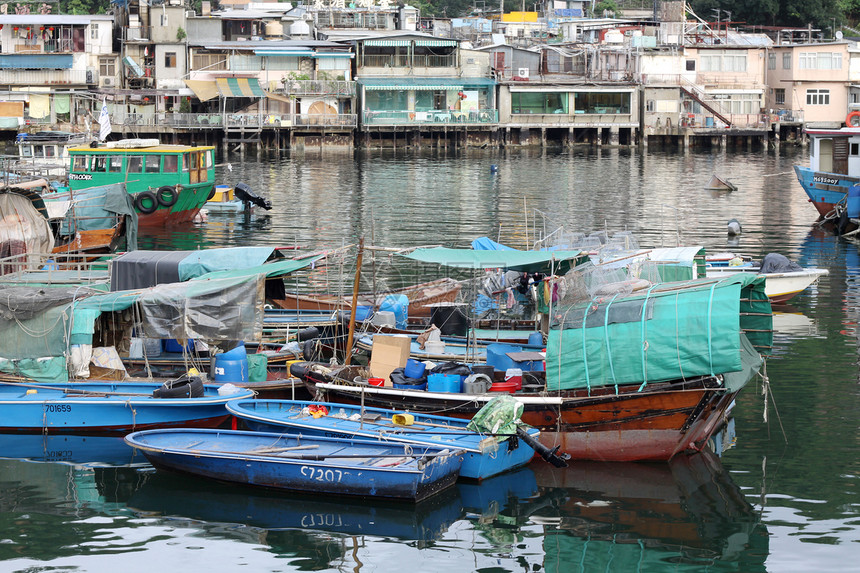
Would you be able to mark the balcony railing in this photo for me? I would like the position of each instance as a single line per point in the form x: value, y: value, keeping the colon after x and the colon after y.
x: 336, y: 88
x: 435, y: 117
x: 43, y: 77
x: 386, y: 61
x: 231, y: 120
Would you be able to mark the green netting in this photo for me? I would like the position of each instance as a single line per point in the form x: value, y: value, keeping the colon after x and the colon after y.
x: 672, y: 331
x: 501, y: 415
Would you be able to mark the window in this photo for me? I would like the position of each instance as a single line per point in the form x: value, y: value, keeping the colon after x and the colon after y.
x: 786, y: 61
x: 817, y: 97
x: 171, y: 164
x: 691, y: 65
x: 855, y: 149
x: 186, y: 161
x: 539, y: 102
x: 135, y: 164
x: 107, y: 67
x: 79, y: 163
x: 94, y: 31
x: 100, y: 163
x: 779, y: 96
x: 153, y: 164
x: 210, y: 159
x: 602, y: 102
x: 169, y: 59
x: 820, y: 61
x: 771, y: 61
x: 115, y: 164
x: 724, y: 61
x: 649, y: 105
x: 26, y: 151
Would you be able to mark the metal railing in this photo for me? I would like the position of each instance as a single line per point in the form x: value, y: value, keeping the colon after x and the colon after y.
x: 385, y: 61
x: 339, y: 88
x: 435, y: 117
x: 43, y: 77
x: 230, y: 120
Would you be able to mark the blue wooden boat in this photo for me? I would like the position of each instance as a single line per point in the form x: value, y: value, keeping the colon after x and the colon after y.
x: 105, y: 408
x: 301, y: 463
x: 484, y: 455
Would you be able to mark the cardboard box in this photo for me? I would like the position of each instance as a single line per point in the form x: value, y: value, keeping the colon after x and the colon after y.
x: 390, y: 351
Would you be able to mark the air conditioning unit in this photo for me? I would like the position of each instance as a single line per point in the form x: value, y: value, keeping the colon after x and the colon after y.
x: 107, y: 81
x: 522, y: 72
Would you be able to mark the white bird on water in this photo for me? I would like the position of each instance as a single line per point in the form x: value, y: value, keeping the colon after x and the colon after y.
x: 230, y: 167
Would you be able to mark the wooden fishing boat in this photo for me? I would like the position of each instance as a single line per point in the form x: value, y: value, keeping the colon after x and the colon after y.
x: 300, y: 463
x: 105, y: 408
x: 598, y: 405
x: 485, y: 456
x: 420, y: 297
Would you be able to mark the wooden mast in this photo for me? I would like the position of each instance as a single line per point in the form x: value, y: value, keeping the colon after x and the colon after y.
x: 348, y: 357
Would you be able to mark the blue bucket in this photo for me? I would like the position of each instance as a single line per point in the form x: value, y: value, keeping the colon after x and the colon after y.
x: 444, y: 383
x: 414, y: 368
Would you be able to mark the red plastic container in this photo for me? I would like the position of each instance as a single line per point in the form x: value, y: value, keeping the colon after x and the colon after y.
x: 514, y: 376
x: 509, y: 387
x: 376, y: 381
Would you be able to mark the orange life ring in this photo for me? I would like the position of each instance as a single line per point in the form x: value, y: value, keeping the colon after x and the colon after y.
x: 853, y: 119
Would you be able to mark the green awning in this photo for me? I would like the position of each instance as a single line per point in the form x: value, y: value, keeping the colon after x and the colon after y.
x: 269, y: 269
x: 527, y: 261
x: 239, y: 87
x: 387, y: 43
x: 436, y: 43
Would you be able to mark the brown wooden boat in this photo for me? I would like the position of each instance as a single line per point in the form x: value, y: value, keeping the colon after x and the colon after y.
x: 655, y: 424
x: 420, y: 296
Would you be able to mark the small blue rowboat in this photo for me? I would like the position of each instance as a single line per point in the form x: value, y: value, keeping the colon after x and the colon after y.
x: 484, y: 455
x: 105, y: 408
x: 301, y: 463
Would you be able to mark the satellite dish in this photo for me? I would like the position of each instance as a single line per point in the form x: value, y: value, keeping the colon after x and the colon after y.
x: 838, y: 34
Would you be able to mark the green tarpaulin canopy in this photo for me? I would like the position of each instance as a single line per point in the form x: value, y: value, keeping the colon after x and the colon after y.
x: 672, y: 331
x: 269, y: 269
x: 558, y: 262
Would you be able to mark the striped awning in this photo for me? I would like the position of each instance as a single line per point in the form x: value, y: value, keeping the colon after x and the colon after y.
x: 203, y: 89
x: 239, y: 87
x: 436, y: 43
x: 387, y: 43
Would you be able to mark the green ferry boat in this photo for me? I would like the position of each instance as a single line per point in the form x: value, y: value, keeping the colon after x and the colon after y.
x: 169, y: 183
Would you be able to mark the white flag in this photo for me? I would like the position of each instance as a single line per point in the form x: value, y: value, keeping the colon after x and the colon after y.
x: 104, y: 121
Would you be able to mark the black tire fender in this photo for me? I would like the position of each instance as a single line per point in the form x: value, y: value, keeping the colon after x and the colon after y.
x: 146, y: 202
x: 167, y: 196
x: 182, y: 387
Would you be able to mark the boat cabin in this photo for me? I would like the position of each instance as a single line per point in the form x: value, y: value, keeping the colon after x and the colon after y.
x: 835, y: 151
x: 143, y: 165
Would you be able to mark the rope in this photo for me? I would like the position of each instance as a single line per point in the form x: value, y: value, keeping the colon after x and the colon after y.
x: 642, y: 339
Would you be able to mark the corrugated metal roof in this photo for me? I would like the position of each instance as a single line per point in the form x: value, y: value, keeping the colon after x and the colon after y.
x: 36, y: 61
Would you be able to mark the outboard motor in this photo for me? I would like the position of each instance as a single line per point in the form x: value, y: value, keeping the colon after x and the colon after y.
x: 243, y: 193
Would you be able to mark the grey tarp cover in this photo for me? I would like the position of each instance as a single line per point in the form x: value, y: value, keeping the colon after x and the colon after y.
x: 776, y: 263
x: 34, y: 322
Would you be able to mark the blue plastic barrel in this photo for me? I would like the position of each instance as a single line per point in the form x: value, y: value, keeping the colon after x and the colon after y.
x: 362, y: 313
x: 853, y: 205
x: 232, y: 366
x: 535, y: 339
x: 444, y: 383
x: 399, y: 305
x: 709, y: 122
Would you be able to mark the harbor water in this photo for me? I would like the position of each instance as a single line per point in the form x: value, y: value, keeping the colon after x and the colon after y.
x: 783, y: 496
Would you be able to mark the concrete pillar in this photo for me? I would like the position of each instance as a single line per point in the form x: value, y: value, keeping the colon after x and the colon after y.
x: 614, y: 135
x: 724, y: 141
x: 686, y: 141
x: 543, y: 137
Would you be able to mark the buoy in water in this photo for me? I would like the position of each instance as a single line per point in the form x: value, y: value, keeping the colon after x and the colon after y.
x: 494, y: 168
x: 734, y: 227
